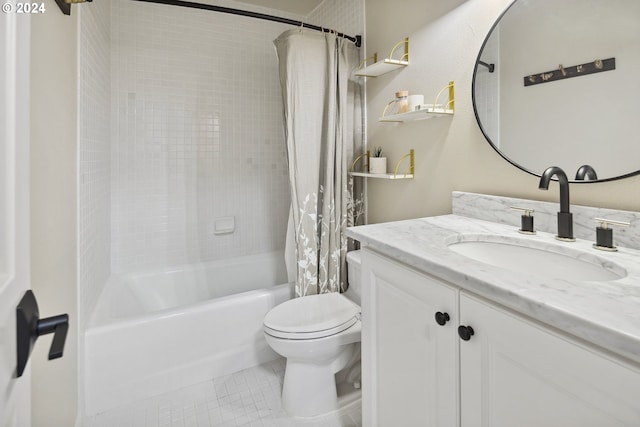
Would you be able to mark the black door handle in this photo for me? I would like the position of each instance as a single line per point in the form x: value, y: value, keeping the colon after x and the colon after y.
x: 59, y: 325
x: 30, y: 327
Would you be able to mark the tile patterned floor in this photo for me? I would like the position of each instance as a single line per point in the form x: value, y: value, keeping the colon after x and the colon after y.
x: 248, y: 398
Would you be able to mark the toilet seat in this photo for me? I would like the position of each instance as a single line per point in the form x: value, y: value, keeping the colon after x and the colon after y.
x: 314, y: 316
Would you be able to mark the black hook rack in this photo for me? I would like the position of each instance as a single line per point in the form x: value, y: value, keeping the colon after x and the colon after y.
x: 562, y: 72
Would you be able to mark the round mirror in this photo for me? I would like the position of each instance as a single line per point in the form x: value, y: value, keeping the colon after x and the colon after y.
x: 556, y: 83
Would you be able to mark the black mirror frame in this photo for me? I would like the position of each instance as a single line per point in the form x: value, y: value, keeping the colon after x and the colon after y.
x: 475, y: 112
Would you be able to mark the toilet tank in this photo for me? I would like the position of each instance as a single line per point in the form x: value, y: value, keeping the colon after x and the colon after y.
x: 354, y: 277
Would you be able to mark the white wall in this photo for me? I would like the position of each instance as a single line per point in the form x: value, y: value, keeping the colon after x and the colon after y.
x: 94, y: 163
x: 197, y: 134
x: 53, y: 209
x: 451, y: 153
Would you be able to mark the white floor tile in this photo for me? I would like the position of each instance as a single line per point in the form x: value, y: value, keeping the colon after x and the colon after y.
x: 249, y: 398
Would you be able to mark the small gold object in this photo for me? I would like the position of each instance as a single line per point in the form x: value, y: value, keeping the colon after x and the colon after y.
x: 579, y: 68
x: 532, y: 79
x: 546, y: 76
x: 598, y: 64
x: 562, y: 70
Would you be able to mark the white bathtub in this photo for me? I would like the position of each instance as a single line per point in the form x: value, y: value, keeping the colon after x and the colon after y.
x: 159, y: 331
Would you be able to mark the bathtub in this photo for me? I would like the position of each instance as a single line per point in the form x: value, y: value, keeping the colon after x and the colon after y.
x: 158, y: 331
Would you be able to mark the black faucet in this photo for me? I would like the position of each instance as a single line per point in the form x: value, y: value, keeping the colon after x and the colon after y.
x: 586, y: 172
x: 565, y: 218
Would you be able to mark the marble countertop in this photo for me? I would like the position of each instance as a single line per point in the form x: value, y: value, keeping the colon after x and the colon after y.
x: 606, y: 314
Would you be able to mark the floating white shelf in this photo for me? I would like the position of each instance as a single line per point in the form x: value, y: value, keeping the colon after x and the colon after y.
x: 429, y: 113
x: 395, y: 175
x: 387, y: 65
x: 381, y: 67
x: 432, y: 110
x: 383, y: 175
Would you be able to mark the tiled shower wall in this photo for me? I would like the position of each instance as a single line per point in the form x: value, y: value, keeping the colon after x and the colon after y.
x: 197, y: 131
x: 196, y: 135
x: 94, y: 195
x: 344, y: 16
x: 94, y: 165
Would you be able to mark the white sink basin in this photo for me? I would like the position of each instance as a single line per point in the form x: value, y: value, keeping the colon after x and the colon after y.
x: 537, y: 258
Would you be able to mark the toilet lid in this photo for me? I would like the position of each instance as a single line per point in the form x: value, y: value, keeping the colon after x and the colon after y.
x: 313, y: 316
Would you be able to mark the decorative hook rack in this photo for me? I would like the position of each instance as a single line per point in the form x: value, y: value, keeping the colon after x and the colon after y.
x: 562, y: 72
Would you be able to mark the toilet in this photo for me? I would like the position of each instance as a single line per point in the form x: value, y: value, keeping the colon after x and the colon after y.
x: 318, y: 335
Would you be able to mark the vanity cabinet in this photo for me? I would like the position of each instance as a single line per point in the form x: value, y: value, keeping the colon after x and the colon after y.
x: 516, y: 372
x: 511, y: 371
x: 409, y: 361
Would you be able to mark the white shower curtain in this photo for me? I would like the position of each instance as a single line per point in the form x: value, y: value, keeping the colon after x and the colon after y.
x: 323, y: 130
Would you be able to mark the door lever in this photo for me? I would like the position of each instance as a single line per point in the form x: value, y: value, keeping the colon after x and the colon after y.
x: 30, y: 327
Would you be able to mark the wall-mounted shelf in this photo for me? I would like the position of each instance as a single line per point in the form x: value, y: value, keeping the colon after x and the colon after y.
x: 383, y: 175
x: 408, y: 174
x: 386, y: 65
x: 425, y: 113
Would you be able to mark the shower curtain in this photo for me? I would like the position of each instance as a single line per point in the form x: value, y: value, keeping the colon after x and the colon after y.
x: 323, y: 130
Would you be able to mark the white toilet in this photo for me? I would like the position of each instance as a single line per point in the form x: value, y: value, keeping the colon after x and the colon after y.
x: 318, y: 335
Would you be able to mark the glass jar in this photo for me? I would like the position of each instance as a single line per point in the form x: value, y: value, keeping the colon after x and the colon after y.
x: 402, y: 102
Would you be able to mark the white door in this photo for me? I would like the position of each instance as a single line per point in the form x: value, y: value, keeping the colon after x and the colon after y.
x: 519, y: 373
x: 409, y: 360
x: 14, y: 207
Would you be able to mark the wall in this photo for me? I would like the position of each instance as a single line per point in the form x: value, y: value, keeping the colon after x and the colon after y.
x: 53, y: 209
x: 94, y: 162
x: 344, y: 16
x: 451, y: 153
x: 196, y: 135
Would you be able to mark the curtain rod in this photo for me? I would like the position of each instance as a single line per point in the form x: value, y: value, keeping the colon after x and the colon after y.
x: 357, y: 39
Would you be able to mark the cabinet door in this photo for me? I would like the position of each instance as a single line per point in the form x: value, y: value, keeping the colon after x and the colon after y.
x: 515, y: 372
x: 409, y: 361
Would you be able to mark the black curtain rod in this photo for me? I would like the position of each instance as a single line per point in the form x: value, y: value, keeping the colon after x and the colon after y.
x: 357, y: 39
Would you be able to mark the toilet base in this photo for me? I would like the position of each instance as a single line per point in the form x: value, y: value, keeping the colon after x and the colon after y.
x: 309, y: 390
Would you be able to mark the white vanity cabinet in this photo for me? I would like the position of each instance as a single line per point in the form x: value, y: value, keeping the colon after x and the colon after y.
x: 516, y: 372
x: 511, y: 372
x: 409, y: 361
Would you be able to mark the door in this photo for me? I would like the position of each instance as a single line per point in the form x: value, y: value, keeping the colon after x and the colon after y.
x: 515, y: 372
x: 14, y: 207
x: 409, y: 355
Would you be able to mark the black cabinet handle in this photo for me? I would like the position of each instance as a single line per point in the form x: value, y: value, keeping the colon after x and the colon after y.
x: 465, y: 332
x: 30, y: 327
x: 442, y: 318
